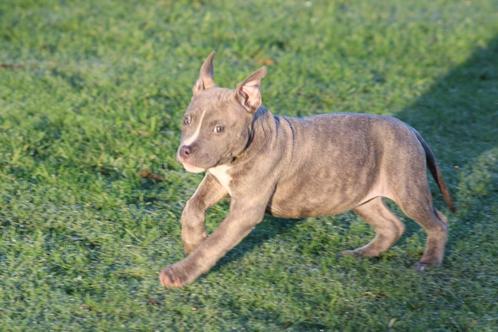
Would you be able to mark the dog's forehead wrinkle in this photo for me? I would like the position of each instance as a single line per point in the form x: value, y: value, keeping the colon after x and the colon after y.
x: 213, y: 95
x: 218, y: 105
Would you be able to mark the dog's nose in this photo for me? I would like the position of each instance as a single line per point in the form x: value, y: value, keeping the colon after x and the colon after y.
x: 185, y: 151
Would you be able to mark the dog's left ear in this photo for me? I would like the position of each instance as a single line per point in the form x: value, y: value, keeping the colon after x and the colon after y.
x: 206, y: 75
x: 248, y: 93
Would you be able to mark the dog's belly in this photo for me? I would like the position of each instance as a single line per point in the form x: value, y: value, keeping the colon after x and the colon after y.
x: 296, y: 210
x: 318, y: 197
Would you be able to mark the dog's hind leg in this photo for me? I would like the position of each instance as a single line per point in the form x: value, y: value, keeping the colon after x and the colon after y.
x: 388, y: 228
x: 435, y: 225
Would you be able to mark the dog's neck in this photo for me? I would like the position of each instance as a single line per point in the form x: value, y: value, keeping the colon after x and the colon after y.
x: 262, y: 134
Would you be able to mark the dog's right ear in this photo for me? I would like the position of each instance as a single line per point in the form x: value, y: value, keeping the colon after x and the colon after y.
x: 206, y: 76
x: 248, y: 93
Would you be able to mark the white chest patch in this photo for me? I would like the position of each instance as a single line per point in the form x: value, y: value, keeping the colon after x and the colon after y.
x: 221, y: 174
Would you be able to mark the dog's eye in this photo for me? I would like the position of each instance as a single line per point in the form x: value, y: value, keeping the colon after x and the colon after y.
x: 219, y: 129
x: 187, y: 120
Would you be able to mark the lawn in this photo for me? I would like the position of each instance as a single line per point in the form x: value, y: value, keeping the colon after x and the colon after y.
x: 91, y: 100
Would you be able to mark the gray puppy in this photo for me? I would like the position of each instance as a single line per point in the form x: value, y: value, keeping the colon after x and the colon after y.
x: 298, y: 167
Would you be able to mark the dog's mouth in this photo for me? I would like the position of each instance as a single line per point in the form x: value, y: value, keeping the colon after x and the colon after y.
x: 189, y: 167
x: 192, y: 169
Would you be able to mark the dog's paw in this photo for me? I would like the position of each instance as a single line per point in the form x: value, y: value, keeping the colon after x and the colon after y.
x: 361, y: 252
x: 422, y: 266
x: 350, y: 253
x: 192, y: 244
x: 189, y: 247
x: 173, y: 276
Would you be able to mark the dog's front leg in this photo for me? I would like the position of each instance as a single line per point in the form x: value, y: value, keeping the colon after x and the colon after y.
x: 209, y: 192
x: 245, y: 213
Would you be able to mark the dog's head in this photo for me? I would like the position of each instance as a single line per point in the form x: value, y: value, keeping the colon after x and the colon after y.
x: 217, y: 122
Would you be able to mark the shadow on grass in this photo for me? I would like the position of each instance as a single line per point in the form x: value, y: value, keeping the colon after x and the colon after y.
x: 266, y: 230
x: 458, y: 116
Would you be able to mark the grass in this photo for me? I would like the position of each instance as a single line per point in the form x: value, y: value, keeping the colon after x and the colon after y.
x: 91, y: 97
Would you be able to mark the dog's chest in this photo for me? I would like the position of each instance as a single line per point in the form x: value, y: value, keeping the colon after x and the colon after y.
x: 221, y: 174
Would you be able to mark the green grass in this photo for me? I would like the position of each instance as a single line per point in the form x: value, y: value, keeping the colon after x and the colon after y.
x: 92, y: 93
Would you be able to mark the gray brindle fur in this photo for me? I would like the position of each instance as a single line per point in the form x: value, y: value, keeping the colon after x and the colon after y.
x: 298, y: 167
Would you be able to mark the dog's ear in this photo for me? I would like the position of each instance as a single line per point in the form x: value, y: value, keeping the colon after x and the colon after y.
x: 206, y: 75
x: 248, y: 93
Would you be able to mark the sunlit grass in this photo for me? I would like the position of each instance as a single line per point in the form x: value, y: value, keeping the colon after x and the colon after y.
x: 91, y: 96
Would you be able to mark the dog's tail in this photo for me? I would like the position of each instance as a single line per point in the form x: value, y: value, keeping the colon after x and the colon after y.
x: 436, y: 172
